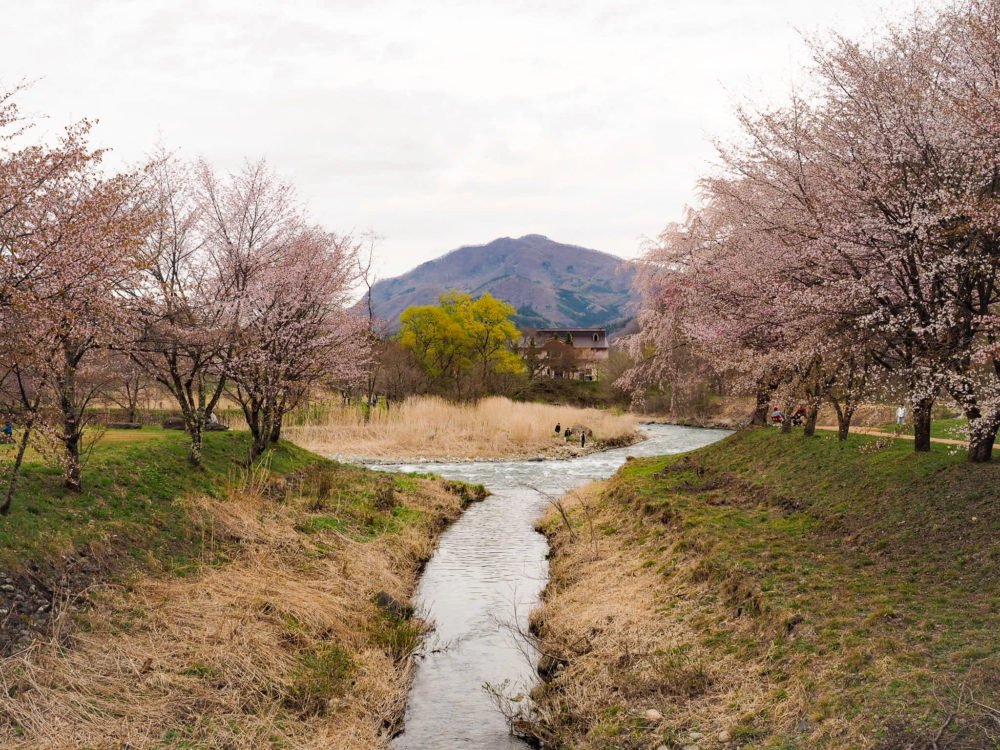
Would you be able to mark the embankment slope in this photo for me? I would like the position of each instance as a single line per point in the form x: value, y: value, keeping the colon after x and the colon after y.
x: 223, y: 607
x: 776, y: 591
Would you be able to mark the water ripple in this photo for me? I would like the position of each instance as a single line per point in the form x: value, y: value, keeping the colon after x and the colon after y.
x: 489, y: 570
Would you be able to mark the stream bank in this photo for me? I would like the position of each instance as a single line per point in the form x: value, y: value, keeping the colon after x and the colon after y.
x: 775, y: 591
x: 483, y: 580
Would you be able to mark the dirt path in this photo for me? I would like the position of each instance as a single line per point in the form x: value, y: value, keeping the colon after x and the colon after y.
x: 883, y: 433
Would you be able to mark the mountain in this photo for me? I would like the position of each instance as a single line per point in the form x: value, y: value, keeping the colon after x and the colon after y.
x: 549, y: 283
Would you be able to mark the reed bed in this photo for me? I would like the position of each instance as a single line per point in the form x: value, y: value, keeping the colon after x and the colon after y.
x: 429, y: 426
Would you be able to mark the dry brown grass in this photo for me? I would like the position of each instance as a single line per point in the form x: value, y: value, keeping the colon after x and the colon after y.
x: 751, y: 593
x: 279, y: 645
x: 430, y: 427
x: 603, y: 618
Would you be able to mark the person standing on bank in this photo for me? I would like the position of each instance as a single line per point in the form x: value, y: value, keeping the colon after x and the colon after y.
x: 901, y: 414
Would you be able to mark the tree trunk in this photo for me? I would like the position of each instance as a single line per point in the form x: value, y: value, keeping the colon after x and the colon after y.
x: 811, y: 417
x: 844, y: 414
x: 844, y: 424
x: 981, y: 439
x: 72, y: 429
x: 786, y: 424
x: 981, y: 451
x: 760, y: 412
x: 259, y: 446
x: 922, y: 425
x: 71, y: 439
x: 15, y: 472
x: 196, y: 430
x: 257, y: 416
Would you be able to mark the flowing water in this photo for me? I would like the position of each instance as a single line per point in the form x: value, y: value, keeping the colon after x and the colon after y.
x: 485, y: 576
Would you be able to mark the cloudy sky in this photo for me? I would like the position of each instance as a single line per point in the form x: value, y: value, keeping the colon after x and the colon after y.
x: 434, y: 124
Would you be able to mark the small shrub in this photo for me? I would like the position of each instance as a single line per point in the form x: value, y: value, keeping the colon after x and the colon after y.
x: 321, y: 675
x: 395, y: 635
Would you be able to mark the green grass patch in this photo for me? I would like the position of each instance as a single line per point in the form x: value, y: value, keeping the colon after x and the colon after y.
x: 864, y: 578
x: 948, y: 429
x: 131, y: 495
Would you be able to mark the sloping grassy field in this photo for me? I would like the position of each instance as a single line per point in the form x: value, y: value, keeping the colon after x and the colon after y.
x: 213, y: 607
x: 132, y: 480
x: 776, y: 591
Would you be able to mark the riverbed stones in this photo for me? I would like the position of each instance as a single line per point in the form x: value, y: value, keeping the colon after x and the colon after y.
x: 652, y: 716
x: 724, y: 736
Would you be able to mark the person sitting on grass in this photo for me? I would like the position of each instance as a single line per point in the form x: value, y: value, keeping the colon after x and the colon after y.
x: 7, y: 431
x: 777, y: 416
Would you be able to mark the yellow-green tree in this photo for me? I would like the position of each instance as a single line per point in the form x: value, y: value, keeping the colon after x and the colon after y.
x: 465, y: 345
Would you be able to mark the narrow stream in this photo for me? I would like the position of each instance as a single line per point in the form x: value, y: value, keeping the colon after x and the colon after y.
x: 485, y: 576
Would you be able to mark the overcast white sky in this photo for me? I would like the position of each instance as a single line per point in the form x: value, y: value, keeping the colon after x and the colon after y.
x: 437, y: 123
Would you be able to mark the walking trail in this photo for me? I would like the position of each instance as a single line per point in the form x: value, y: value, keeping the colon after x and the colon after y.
x: 883, y: 433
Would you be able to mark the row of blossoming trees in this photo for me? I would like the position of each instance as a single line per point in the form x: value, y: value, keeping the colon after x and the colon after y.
x: 210, y: 284
x: 849, y: 247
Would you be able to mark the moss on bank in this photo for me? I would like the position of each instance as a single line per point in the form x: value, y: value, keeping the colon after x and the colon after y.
x: 777, y: 591
x: 218, y: 607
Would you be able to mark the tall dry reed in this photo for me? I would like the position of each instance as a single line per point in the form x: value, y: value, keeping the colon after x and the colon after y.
x: 431, y: 426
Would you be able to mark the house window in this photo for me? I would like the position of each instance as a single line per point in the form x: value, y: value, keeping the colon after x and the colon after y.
x: 596, y: 337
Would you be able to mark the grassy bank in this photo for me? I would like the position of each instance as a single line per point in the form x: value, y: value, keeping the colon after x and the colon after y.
x: 947, y: 429
x: 221, y: 607
x: 432, y: 427
x: 776, y: 591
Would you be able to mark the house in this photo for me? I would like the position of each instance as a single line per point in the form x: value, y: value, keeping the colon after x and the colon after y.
x: 575, y: 353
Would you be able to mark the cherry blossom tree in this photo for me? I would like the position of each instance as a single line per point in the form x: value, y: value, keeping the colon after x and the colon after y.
x: 78, y: 307
x: 295, y: 331
x: 866, y: 205
x: 183, y: 336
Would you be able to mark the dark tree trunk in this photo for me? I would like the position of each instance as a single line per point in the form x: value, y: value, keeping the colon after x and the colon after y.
x: 760, y: 412
x: 257, y: 415
x: 843, y: 429
x: 196, y: 445
x: 15, y: 472
x: 844, y: 413
x: 72, y: 428
x: 196, y: 430
x: 811, y: 417
x: 981, y: 439
x: 981, y: 450
x: 922, y: 425
x: 786, y: 424
x: 71, y: 439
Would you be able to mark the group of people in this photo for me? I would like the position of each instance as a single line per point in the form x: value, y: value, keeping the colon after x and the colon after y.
x: 778, y: 416
x: 568, y: 433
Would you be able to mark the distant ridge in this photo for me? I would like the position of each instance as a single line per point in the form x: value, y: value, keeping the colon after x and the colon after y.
x: 550, y: 284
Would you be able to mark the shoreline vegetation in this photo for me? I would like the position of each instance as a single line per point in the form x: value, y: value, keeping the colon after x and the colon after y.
x: 773, y: 591
x: 213, y: 607
x: 430, y: 428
